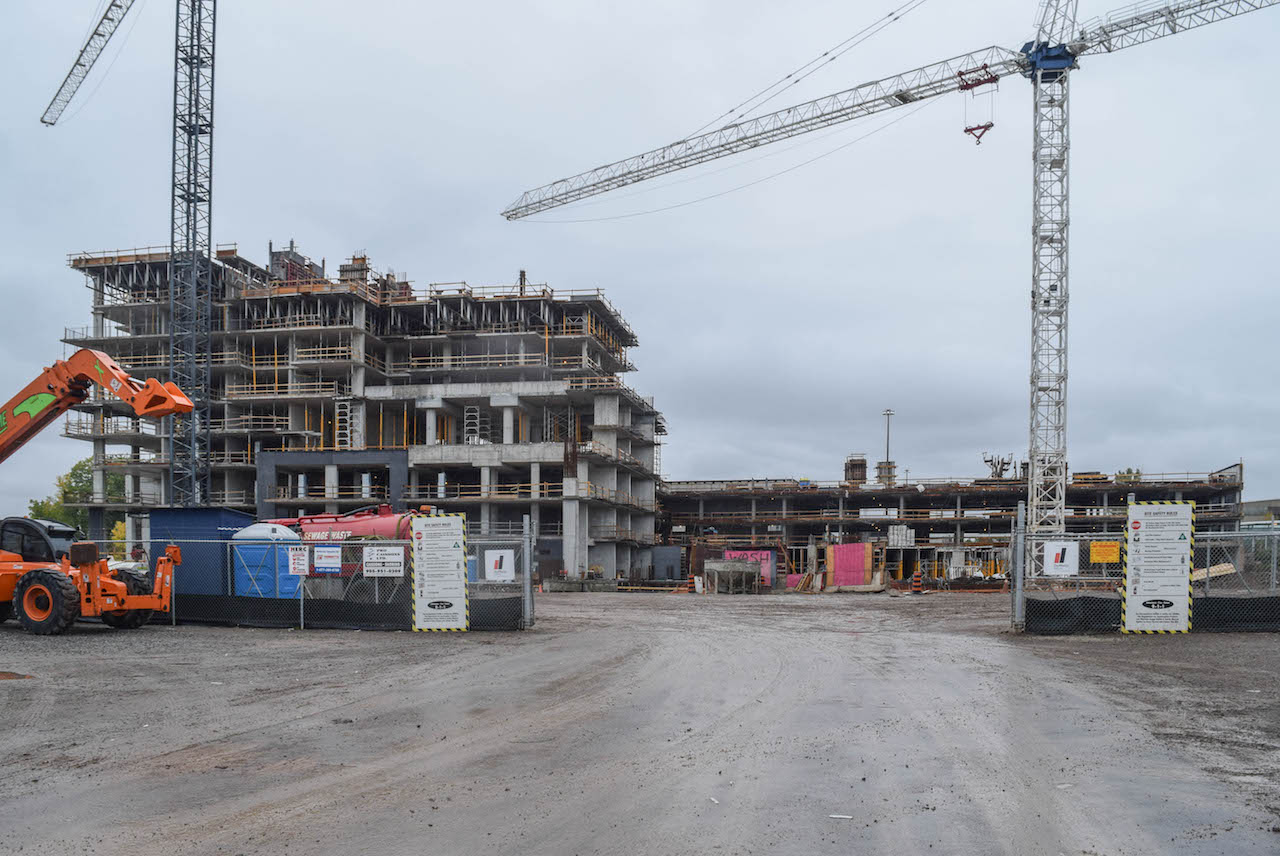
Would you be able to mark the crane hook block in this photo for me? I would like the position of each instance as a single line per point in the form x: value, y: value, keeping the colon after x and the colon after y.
x: 978, y: 130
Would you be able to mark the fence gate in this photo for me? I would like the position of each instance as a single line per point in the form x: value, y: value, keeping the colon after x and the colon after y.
x: 1071, y: 583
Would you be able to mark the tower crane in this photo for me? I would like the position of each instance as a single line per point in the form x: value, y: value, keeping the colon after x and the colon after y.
x: 1047, y: 62
x: 191, y: 213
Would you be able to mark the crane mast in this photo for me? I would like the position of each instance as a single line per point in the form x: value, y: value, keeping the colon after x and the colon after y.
x: 1049, y: 67
x: 190, y: 260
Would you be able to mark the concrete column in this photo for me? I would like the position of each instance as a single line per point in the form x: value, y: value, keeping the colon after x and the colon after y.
x: 535, y: 519
x: 535, y: 476
x: 99, y: 474
x: 366, y: 485
x: 331, y: 488
x: 432, y: 436
x: 753, y: 509
x: 302, y: 485
x: 573, y: 558
x: 508, y: 425
x: 440, y: 485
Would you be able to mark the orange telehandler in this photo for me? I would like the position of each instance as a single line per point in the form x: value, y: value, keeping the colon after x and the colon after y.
x: 46, y: 579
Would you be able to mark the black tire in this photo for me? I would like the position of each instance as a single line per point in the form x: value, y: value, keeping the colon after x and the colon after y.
x: 53, y: 598
x: 6, y: 610
x: 135, y: 582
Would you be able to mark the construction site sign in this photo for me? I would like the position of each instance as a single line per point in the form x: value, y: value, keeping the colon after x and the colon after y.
x: 500, y: 566
x: 299, y: 561
x: 439, y: 557
x: 1159, y: 544
x: 1104, y: 553
x: 1061, y: 558
x: 383, y: 561
x: 328, y: 559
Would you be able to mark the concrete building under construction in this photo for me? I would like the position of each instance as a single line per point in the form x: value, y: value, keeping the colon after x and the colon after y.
x: 332, y: 393
x: 914, y: 522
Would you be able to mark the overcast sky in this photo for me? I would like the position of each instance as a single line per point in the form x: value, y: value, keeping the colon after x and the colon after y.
x: 776, y: 322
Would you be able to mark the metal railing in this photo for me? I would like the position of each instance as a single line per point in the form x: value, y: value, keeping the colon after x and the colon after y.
x: 85, y: 425
x: 321, y: 493
x: 302, y: 389
x: 467, y: 361
x: 453, y: 490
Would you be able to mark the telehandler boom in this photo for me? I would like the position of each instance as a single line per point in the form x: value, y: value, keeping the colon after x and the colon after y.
x: 48, y: 585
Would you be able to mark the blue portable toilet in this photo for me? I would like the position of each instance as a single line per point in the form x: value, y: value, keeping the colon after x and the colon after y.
x: 260, y: 561
x: 202, y: 533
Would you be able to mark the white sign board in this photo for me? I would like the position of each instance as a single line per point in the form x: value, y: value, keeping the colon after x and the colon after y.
x: 1157, y: 570
x: 500, y: 566
x: 328, y: 559
x: 383, y: 561
x: 299, y: 561
x: 439, y: 573
x: 1061, y: 558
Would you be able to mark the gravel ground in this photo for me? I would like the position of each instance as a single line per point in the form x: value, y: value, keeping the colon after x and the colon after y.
x: 640, y: 723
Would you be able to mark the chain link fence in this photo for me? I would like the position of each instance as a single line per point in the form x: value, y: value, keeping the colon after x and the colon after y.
x: 352, y: 584
x: 1234, y: 583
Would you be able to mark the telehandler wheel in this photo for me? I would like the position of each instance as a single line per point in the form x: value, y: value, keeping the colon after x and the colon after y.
x: 46, y: 601
x: 135, y: 582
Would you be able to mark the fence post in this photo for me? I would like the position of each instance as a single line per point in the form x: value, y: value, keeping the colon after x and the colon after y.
x: 1273, y: 562
x: 1019, y: 568
x: 527, y: 617
x: 1208, y: 563
x: 302, y: 604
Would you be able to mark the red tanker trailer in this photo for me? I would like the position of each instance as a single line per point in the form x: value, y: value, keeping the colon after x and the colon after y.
x: 378, y: 521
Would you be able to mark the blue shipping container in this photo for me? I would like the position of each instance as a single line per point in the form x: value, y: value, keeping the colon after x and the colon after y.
x: 202, y: 534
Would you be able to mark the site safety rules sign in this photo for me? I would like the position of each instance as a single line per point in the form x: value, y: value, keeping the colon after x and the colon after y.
x: 1159, y: 541
x: 440, y: 572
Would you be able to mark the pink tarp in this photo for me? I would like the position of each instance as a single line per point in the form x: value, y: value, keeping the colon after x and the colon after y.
x: 764, y: 557
x: 850, y: 564
x: 793, y: 580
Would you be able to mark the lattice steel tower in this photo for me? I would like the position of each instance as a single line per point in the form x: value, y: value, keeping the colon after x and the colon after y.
x: 190, y: 266
x: 1049, y: 67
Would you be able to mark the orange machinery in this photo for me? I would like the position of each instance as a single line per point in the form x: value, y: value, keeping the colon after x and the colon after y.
x: 48, y: 589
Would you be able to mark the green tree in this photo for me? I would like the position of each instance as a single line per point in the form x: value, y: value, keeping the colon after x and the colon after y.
x: 73, y: 485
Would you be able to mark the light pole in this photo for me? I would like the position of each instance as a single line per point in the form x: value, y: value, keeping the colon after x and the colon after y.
x: 888, y: 414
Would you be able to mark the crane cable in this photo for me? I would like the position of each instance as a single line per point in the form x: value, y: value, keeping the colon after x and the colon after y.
x: 781, y: 85
x: 761, y: 180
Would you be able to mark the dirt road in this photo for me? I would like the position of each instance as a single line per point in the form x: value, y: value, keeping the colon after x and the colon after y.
x: 661, y: 724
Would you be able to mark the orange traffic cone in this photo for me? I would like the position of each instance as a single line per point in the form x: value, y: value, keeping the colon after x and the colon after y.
x: 917, y: 582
